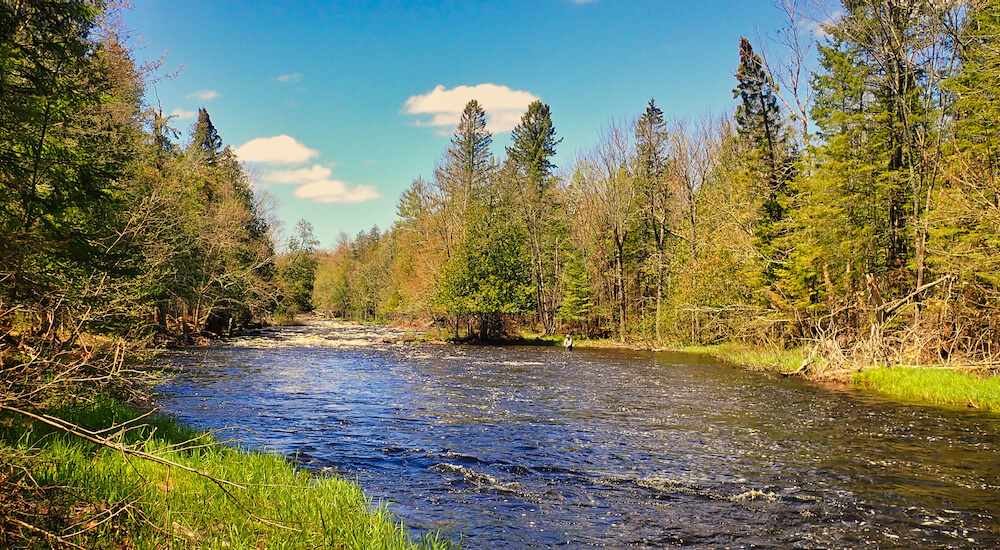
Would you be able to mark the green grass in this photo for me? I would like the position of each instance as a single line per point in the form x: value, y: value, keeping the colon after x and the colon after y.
x: 934, y: 385
x: 156, y: 506
x: 755, y: 358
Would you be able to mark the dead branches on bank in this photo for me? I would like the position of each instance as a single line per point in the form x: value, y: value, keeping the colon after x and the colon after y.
x: 96, y: 438
x: 40, y: 373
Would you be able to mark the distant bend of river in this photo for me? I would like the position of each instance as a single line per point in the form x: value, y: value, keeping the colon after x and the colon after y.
x: 536, y: 447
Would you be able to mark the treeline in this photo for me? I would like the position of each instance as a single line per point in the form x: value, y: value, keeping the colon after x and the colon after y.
x: 111, y: 223
x: 859, y: 214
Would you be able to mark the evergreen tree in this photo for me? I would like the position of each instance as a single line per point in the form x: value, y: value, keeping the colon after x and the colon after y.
x: 529, y: 158
x: 533, y: 146
x: 69, y: 126
x: 651, y: 175
x: 976, y: 105
x: 488, y: 278
x: 964, y: 228
x: 297, y: 269
x: 759, y: 127
x: 464, y: 175
x: 468, y: 162
x: 205, y: 138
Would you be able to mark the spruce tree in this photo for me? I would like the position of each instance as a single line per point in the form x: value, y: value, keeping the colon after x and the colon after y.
x: 651, y: 177
x: 530, y: 168
x: 205, y: 138
x: 765, y: 149
x: 533, y: 146
x: 964, y: 239
x: 469, y: 159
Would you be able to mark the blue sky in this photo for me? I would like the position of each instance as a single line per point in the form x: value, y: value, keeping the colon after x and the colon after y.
x: 338, y: 106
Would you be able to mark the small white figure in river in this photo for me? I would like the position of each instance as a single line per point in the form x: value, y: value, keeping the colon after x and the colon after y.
x: 568, y: 343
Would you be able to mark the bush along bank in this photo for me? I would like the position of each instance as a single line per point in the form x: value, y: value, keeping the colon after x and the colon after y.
x: 104, y: 476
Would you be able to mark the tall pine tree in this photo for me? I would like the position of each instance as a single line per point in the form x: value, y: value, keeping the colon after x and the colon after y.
x: 530, y: 168
x: 765, y: 152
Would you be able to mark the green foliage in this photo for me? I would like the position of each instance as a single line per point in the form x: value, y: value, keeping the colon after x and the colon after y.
x: 468, y: 161
x: 527, y: 182
x: 68, y: 124
x: 355, y: 280
x: 296, y: 270
x: 964, y: 229
x: 488, y: 277
x: 533, y: 145
x: 578, y: 298
x: 118, y: 500
x: 105, y: 225
x: 765, y: 155
x: 205, y: 139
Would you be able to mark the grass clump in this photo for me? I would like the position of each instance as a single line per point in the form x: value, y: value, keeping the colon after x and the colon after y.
x: 752, y: 357
x: 934, y: 385
x: 69, y: 492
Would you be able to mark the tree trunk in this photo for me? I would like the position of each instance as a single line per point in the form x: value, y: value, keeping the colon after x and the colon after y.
x: 620, y: 283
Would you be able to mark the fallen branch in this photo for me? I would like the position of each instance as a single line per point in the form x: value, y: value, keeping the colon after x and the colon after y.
x: 96, y: 439
x: 889, y: 307
x: 53, y: 536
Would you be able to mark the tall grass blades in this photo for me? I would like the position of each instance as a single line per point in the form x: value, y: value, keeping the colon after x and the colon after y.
x: 74, y: 492
x: 934, y: 385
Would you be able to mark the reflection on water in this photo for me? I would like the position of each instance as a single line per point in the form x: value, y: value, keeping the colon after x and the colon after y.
x: 521, y: 447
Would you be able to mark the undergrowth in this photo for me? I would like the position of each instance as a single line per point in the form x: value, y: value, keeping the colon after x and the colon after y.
x: 59, y: 490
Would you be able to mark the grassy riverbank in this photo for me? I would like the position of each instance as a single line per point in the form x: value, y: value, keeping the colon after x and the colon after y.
x: 930, y: 384
x: 934, y: 385
x: 173, y: 488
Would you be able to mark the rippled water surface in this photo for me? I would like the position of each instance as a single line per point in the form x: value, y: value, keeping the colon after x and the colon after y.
x: 533, y: 447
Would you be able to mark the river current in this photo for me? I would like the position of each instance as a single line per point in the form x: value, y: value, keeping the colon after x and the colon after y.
x: 536, y: 447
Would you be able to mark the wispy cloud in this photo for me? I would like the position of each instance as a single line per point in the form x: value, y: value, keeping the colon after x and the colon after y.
x: 181, y: 114
x: 313, y: 183
x: 581, y: 2
x: 504, y: 106
x: 298, y: 176
x: 290, y: 77
x: 204, y: 95
x: 275, y: 150
x: 335, y: 191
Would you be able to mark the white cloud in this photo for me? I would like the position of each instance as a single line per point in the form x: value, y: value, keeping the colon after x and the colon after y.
x: 203, y: 95
x: 275, y: 150
x: 335, y: 191
x: 181, y: 114
x: 298, y: 176
x: 290, y: 77
x: 313, y: 182
x: 580, y: 2
x: 504, y: 107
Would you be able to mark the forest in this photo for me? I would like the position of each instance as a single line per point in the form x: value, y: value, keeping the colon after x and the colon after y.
x: 119, y: 233
x: 851, y: 208
x: 112, y: 223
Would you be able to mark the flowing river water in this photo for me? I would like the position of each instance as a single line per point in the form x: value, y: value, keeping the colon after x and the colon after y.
x: 536, y: 447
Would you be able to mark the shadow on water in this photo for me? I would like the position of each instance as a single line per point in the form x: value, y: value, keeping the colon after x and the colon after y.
x: 531, y: 447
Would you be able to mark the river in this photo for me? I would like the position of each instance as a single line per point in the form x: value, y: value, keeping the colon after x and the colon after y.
x: 536, y: 447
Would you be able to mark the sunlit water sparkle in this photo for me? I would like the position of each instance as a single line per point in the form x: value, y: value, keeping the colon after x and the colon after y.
x: 535, y: 447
